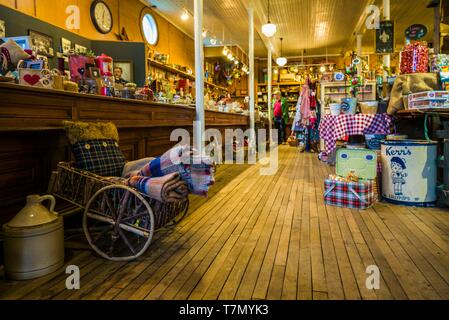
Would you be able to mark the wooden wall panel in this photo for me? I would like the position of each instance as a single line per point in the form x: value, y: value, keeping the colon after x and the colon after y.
x: 32, y: 140
x: 126, y: 13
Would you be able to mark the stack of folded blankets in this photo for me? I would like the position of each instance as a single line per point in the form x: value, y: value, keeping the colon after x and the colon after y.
x: 172, y: 176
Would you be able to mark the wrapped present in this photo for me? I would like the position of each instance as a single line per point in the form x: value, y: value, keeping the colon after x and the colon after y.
x: 355, y: 195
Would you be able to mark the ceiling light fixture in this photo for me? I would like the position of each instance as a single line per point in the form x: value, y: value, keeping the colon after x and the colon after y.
x: 269, y: 29
x: 281, y: 61
x: 184, y: 15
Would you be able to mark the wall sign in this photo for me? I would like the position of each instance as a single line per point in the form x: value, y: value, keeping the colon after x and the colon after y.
x: 385, y: 38
x: 416, y: 32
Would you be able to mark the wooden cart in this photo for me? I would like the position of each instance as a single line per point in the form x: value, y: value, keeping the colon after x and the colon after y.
x: 118, y: 221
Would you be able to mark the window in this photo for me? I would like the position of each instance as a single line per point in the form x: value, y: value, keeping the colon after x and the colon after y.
x: 149, y: 28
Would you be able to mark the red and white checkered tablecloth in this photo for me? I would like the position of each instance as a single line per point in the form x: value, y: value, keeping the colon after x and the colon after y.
x: 333, y: 128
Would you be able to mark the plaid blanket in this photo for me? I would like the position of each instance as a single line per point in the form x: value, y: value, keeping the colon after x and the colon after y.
x: 169, y: 188
x: 197, y: 171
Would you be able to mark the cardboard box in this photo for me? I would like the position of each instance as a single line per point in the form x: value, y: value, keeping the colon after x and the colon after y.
x: 429, y: 95
x: 426, y: 104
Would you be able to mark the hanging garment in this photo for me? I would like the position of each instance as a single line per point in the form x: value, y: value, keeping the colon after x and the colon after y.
x: 305, y: 105
x: 296, y: 126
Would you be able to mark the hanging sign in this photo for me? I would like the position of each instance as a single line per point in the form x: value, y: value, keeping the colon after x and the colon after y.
x: 385, y: 38
x: 416, y: 32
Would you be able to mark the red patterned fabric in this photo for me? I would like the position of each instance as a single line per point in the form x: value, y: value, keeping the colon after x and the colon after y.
x: 333, y: 128
x: 355, y: 195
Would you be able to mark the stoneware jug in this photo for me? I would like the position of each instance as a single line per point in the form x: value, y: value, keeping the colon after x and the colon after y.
x: 34, y: 240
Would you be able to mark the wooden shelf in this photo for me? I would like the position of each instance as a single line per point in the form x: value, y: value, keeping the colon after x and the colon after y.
x: 182, y: 74
x: 171, y: 69
x: 276, y: 84
x: 420, y: 113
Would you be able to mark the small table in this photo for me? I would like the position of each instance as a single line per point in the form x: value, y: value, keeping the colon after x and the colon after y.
x: 333, y: 128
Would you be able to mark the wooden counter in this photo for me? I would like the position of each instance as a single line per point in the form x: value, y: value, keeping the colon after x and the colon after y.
x: 32, y: 141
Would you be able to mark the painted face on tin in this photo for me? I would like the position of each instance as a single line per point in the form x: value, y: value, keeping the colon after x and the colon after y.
x: 396, y: 167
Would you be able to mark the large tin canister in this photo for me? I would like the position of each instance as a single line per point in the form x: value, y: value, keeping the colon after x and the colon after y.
x: 33, y: 241
x: 409, y: 172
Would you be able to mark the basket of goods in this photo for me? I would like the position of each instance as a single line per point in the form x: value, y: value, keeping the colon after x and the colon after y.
x: 32, y: 74
x: 369, y: 107
x: 415, y: 58
x: 292, y: 141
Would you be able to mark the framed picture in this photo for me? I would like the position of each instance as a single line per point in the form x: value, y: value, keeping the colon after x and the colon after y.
x: 66, y: 45
x: 36, y: 65
x: 127, y: 69
x: 41, y: 43
x: 94, y: 73
x: 43, y: 58
x: 2, y: 29
x: 80, y: 49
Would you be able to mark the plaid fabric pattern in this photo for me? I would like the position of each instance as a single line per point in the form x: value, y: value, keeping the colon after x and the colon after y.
x: 354, y: 195
x: 196, y: 171
x: 102, y: 157
x: 333, y: 128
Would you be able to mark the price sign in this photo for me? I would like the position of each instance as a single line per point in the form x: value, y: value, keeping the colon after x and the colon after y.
x: 416, y: 32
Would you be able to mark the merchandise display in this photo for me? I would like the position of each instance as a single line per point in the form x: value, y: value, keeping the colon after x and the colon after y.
x: 196, y: 151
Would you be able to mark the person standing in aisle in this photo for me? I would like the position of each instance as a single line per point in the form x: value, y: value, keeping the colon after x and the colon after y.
x: 280, y: 116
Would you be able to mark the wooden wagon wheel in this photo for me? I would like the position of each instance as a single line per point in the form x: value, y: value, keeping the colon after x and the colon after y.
x: 118, y: 223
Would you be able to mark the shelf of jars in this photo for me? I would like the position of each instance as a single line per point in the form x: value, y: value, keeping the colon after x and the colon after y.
x: 182, y: 74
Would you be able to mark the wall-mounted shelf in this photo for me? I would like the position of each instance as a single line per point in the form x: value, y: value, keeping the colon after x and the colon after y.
x: 182, y: 74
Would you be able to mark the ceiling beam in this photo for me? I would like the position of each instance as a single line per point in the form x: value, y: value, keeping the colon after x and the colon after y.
x: 359, y: 28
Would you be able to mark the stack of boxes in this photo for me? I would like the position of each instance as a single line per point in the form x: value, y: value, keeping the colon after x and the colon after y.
x: 428, y: 100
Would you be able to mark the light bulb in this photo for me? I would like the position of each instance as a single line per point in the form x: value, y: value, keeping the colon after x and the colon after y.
x: 184, y: 15
x: 230, y: 56
x: 275, y: 71
x: 225, y: 51
x: 236, y: 62
x: 269, y: 29
x: 281, y: 61
x: 323, y: 69
x: 204, y: 33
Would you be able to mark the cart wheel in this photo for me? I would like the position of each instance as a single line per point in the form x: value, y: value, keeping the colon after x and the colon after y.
x: 118, y: 223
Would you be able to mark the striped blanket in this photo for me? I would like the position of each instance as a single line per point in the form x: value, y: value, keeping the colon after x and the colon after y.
x: 197, y: 171
x: 169, y: 188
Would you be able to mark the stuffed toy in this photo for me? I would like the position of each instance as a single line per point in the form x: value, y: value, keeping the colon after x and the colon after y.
x: 10, y: 55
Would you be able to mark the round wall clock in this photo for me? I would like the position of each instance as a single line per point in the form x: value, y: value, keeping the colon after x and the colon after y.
x: 101, y: 16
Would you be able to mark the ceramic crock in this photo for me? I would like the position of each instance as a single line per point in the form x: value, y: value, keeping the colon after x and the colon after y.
x: 34, y: 240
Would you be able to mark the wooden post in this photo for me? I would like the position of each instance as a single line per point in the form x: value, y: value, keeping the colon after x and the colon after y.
x: 436, y: 35
x: 199, y: 74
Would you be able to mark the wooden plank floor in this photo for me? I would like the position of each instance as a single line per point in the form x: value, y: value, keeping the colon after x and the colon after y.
x: 270, y: 237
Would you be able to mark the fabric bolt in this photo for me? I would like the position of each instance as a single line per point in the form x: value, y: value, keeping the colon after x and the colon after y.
x: 354, y: 195
x: 169, y: 188
x: 333, y: 128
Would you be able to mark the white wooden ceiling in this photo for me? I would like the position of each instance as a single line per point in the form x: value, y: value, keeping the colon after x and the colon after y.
x: 317, y: 26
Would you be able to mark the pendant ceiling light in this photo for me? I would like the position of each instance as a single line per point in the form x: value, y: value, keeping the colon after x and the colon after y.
x: 269, y: 29
x: 281, y: 61
x: 185, y: 15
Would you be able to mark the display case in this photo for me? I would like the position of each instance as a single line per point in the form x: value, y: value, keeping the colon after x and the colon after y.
x: 335, y: 91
